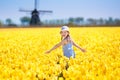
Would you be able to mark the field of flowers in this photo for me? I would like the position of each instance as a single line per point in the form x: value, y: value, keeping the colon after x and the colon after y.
x: 22, y: 54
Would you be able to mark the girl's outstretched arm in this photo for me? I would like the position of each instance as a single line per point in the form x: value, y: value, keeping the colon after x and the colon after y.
x: 76, y: 45
x: 56, y: 46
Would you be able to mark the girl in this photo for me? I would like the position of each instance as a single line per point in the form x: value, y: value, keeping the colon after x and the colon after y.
x: 66, y: 43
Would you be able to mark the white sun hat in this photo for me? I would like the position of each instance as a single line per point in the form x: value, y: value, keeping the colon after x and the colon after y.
x: 64, y: 28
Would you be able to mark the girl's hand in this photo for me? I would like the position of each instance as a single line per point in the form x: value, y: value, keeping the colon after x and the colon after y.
x: 83, y: 50
x: 47, y: 52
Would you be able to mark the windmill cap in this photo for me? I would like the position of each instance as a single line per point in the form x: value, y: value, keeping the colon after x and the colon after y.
x: 64, y: 28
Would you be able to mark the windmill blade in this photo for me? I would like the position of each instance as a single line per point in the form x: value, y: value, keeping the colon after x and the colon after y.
x: 45, y: 11
x: 22, y: 10
x: 35, y: 4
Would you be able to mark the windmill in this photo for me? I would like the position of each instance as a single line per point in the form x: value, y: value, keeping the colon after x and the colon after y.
x: 35, y: 19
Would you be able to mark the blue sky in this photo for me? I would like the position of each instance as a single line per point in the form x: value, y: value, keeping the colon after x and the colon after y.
x: 62, y: 9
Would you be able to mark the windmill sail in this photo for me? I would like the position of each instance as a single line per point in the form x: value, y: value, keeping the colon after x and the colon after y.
x: 35, y: 4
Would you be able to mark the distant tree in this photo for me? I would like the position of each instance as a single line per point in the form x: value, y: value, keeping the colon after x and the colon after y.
x: 92, y: 21
x: 25, y: 20
x: 8, y: 21
x: 101, y: 21
x: 1, y: 23
x: 79, y: 20
x: 57, y: 22
x: 60, y: 21
x: 51, y: 22
x: 71, y: 21
x: 110, y: 21
x: 117, y: 22
x: 46, y: 22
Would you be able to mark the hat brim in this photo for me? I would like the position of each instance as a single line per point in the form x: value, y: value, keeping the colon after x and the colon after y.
x: 65, y: 30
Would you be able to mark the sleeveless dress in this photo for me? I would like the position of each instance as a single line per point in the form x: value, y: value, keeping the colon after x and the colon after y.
x: 68, y: 50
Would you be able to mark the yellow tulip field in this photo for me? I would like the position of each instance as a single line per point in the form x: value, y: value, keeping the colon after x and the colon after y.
x: 23, y: 57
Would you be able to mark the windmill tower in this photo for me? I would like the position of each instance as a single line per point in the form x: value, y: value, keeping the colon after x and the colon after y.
x: 35, y: 19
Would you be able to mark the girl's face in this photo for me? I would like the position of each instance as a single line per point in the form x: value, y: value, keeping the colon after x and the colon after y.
x: 64, y: 33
